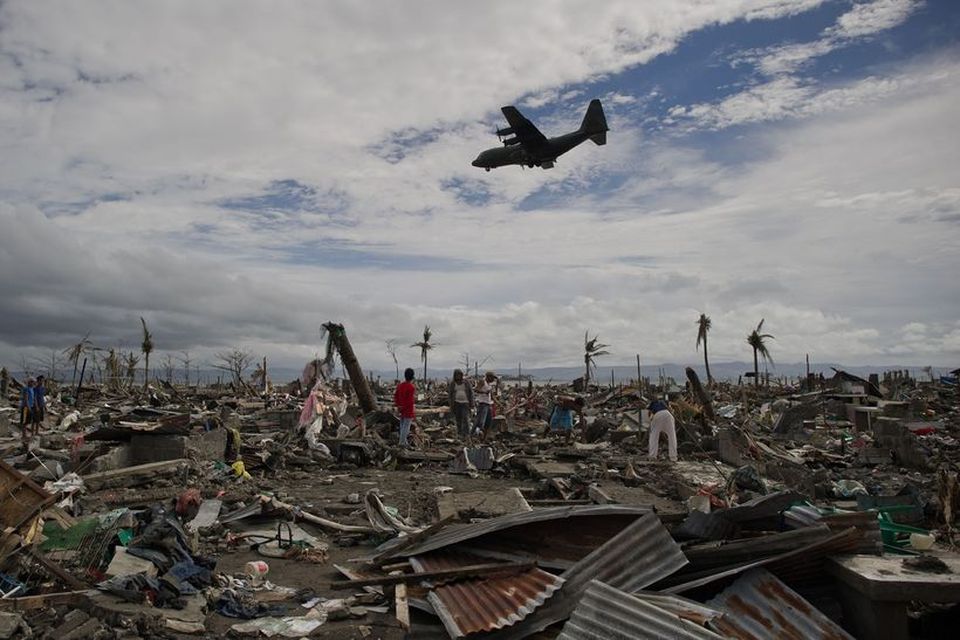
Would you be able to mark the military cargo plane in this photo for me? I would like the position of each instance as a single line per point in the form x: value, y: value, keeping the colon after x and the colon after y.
x: 528, y: 147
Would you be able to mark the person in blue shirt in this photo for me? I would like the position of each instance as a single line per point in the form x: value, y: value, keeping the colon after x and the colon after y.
x: 39, y: 403
x: 561, y: 418
x: 27, y: 403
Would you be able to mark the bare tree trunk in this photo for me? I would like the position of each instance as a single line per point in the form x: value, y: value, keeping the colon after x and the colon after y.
x: 706, y: 361
x: 368, y: 402
x: 701, y: 394
x: 756, y: 369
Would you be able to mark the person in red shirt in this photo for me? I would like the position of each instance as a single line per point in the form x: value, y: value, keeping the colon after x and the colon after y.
x: 403, y: 398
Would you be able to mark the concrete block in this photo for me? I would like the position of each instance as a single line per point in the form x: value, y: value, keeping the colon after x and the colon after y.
x: 155, y: 448
x: 208, y: 446
x: 158, y: 448
x: 118, y: 458
x: 886, y: 427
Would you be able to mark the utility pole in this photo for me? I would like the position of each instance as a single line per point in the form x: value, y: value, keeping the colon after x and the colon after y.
x: 639, y: 395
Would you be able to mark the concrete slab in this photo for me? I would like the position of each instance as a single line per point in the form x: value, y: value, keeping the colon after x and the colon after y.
x: 481, y: 504
x: 550, y: 469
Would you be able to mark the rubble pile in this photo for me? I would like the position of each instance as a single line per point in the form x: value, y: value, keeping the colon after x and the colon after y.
x: 822, y: 509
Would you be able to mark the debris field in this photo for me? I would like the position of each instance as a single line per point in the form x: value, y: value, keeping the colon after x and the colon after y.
x: 826, y: 508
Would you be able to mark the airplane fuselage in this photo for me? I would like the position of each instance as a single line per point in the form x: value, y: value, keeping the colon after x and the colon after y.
x: 516, y: 154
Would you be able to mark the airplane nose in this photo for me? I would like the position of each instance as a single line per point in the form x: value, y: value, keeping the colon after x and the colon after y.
x: 476, y: 163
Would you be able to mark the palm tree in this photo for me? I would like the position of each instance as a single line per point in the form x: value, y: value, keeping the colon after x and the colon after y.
x: 591, y: 349
x: 424, y: 346
x: 755, y: 339
x: 146, y: 347
x: 74, y: 352
x: 704, y: 324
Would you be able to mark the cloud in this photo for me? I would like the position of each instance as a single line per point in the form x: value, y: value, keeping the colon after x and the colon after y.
x: 785, y: 93
x: 869, y: 18
x: 238, y: 175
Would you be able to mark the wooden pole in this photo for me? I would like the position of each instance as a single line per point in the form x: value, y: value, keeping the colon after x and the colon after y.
x: 640, y: 394
x: 83, y: 370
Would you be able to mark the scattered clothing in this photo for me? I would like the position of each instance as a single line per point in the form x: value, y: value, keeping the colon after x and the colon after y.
x: 561, y: 419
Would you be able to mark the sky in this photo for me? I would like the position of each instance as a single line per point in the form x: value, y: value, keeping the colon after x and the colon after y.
x: 238, y: 173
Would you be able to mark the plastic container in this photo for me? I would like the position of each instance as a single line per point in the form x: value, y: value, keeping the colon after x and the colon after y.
x: 921, y: 541
x: 256, y: 568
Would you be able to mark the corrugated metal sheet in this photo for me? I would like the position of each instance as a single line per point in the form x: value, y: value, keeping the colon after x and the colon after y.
x: 635, y: 558
x: 638, y: 556
x: 457, y: 534
x: 760, y: 507
x: 605, y: 613
x: 800, y: 564
x: 483, y: 604
x: 683, y: 607
x: 758, y: 606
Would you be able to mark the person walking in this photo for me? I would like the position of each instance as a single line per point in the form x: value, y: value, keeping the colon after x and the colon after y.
x: 484, y: 396
x: 404, y: 398
x: 461, y: 402
x: 27, y: 403
x: 662, y: 421
x: 39, y: 404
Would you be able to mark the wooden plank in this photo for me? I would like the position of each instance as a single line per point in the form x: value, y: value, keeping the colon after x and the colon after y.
x: 141, y: 473
x: 445, y: 574
x: 26, y: 603
x: 403, y: 607
x: 408, y: 541
x: 56, y: 570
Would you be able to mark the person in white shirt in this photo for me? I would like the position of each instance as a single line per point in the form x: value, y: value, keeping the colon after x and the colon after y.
x: 484, y: 399
x: 461, y: 401
x: 661, y: 421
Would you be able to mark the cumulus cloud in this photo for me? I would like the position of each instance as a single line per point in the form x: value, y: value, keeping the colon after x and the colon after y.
x: 238, y: 174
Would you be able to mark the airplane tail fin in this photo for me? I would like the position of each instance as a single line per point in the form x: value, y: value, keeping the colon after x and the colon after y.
x: 595, y: 123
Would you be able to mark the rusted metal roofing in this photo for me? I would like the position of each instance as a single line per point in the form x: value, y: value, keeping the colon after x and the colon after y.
x: 635, y: 558
x: 683, y: 607
x: 758, y: 606
x: 638, y: 556
x: 605, y: 612
x: 458, y: 534
x: 483, y: 604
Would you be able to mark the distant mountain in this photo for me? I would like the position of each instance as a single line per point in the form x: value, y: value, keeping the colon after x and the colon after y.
x: 721, y: 371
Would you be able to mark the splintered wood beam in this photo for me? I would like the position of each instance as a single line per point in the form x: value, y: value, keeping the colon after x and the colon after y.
x: 472, y: 571
x: 403, y: 606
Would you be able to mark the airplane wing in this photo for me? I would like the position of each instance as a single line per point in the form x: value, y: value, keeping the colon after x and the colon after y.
x: 528, y: 135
